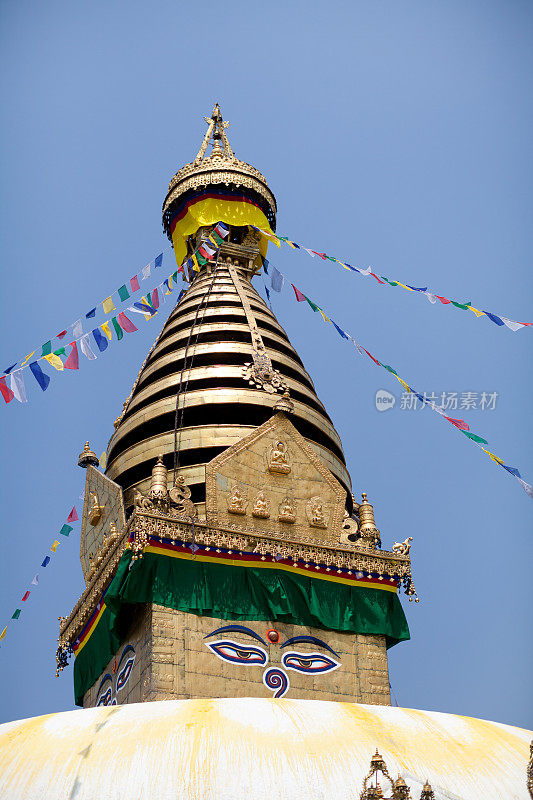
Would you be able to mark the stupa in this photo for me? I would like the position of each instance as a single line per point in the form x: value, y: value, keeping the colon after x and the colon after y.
x: 232, y: 573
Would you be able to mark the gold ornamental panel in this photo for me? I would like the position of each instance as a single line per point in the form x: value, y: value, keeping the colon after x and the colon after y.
x: 103, y: 507
x: 272, y: 483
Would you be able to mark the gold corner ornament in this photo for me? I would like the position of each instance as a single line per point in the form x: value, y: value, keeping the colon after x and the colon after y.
x: 399, y: 790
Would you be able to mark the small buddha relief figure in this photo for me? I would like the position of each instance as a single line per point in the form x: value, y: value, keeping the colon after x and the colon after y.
x: 286, y: 512
x: 315, y: 513
x: 278, y: 460
x: 95, y: 509
x: 261, y: 507
x: 237, y: 502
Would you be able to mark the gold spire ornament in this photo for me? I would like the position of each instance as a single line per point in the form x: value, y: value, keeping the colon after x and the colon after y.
x: 368, y: 533
x: 87, y: 458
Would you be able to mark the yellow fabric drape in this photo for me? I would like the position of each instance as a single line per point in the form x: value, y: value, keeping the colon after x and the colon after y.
x: 211, y: 210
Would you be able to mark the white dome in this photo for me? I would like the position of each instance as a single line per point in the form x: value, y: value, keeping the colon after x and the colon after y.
x: 261, y: 749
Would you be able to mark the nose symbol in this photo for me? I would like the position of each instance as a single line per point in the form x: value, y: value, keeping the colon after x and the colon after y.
x: 277, y: 681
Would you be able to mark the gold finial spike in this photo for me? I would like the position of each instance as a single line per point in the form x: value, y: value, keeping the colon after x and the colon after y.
x: 87, y: 458
x: 216, y: 129
x: 368, y: 532
x: 158, y: 484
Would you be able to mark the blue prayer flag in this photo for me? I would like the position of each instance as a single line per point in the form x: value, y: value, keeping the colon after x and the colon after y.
x: 340, y: 330
x: 8, y: 370
x: 417, y: 289
x: 512, y: 470
x: 158, y: 261
x: 267, y: 293
x: 46, y: 561
x: 100, y: 340
x: 145, y: 308
x: 90, y: 313
x: 494, y: 318
x: 266, y: 262
x: 41, y: 377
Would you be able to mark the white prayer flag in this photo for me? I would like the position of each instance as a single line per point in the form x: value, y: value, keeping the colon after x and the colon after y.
x: 309, y: 251
x: 514, y: 326
x: 35, y: 581
x: 430, y: 297
x: 526, y: 487
x: 366, y: 271
x: 86, y: 348
x: 77, y: 329
x: 145, y: 272
x: 17, y: 386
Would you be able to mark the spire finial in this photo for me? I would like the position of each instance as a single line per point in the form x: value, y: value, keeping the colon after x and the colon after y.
x: 87, y: 457
x: 216, y: 129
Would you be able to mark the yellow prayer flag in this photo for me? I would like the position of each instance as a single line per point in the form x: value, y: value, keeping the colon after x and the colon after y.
x: 108, y: 306
x: 476, y: 311
x: 105, y: 327
x: 2, y: 635
x: 55, y: 545
x: 55, y: 361
x: 491, y: 455
x: 405, y: 386
x: 27, y: 358
x: 404, y: 286
x: 326, y: 319
x: 102, y: 460
x: 169, y: 284
x: 195, y: 264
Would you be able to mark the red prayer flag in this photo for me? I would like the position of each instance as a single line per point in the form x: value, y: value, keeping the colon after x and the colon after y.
x: 323, y: 256
x: 372, y: 357
x: 459, y: 423
x: 60, y: 335
x: 126, y: 323
x: 134, y: 283
x: 376, y: 277
x: 7, y: 394
x: 26, y: 595
x: 73, y: 361
x: 155, y: 299
x: 299, y: 296
x: 443, y: 300
x: 73, y: 516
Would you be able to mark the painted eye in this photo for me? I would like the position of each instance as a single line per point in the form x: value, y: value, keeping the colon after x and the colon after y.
x: 105, y: 691
x: 237, y: 653
x: 309, y: 663
x: 125, y: 673
x: 105, y: 698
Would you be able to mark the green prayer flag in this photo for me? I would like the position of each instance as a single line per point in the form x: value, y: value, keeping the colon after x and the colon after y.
x: 65, y: 530
x: 118, y: 329
x: 16, y: 614
x: 47, y: 349
x: 390, y: 369
x: 60, y: 351
x: 123, y: 293
x: 475, y: 437
x: 174, y: 276
x: 391, y: 283
x: 315, y: 308
x: 464, y: 306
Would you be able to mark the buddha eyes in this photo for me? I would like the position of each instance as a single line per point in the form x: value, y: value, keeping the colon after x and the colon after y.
x: 105, y: 697
x: 237, y: 653
x: 125, y: 672
x: 309, y: 663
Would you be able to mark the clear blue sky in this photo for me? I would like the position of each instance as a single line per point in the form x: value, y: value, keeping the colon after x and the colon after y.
x: 396, y: 134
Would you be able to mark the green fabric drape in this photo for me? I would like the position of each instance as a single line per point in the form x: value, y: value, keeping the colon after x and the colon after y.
x: 238, y: 593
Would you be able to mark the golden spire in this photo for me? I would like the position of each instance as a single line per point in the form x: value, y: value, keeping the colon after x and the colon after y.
x: 216, y: 128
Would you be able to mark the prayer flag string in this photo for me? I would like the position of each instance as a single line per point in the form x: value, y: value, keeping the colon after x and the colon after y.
x: 498, y: 319
x: 66, y: 530
x: 460, y: 424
